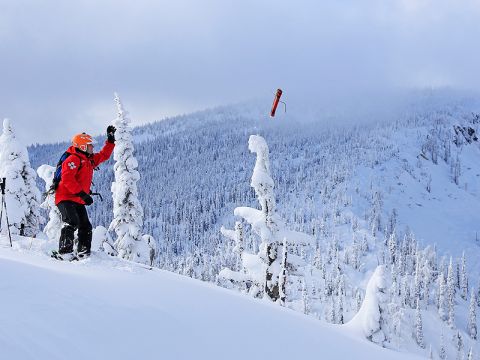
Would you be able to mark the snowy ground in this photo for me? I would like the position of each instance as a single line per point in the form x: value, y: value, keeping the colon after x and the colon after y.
x: 105, y: 308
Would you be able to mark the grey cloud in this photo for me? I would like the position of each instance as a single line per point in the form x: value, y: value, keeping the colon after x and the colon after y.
x: 61, y: 61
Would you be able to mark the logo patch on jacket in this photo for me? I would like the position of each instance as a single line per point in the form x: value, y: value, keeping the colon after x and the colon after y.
x: 71, y: 165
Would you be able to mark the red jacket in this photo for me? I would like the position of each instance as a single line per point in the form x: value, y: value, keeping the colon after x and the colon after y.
x: 76, y: 178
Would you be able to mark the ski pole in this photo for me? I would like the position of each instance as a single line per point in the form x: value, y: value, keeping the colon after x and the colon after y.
x: 1, y: 209
x: 4, y: 204
x: 98, y: 194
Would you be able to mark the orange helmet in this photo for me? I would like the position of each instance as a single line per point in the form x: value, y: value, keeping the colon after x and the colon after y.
x: 80, y: 141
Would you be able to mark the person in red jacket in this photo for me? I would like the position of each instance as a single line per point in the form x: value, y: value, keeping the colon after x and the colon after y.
x: 73, y: 191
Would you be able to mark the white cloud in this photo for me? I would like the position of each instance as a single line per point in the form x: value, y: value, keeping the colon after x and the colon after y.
x: 61, y: 61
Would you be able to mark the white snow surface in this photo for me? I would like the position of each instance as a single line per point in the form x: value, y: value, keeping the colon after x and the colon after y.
x: 109, y: 308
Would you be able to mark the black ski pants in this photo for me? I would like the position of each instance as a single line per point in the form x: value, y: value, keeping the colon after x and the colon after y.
x: 74, y: 217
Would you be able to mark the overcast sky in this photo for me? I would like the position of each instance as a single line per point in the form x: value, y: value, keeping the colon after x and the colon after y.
x: 62, y: 60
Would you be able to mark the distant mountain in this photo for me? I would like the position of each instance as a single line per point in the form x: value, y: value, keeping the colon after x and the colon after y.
x: 195, y: 169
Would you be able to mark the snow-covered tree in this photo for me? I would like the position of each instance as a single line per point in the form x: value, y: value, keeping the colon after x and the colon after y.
x: 358, y: 300
x: 478, y: 294
x: 442, y: 353
x: 456, y: 169
x: 417, y: 287
x: 441, y: 298
x: 392, y: 223
x: 22, y: 195
x: 127, y: 211
x: 427, y: 279
x: 264, y: 269
x: 305, y: 298
x: 370, y: 319
x: 470, y: 354
x: 451, y: 295
x: 317, y: 259
x: 237, y: 236
x: 392, y: 246
x: 340, y: 310
x: 263, y: 184
x: 419, y: 327
x: 464, y: 278
x: 458, y: 341
x: 472, y: 317
x: 406, y: 293
x: 284, y: 274
x: 330, y: 312
x: 54, y: 225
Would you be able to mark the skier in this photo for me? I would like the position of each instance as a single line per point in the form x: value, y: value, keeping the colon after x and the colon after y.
x: 73, y: 191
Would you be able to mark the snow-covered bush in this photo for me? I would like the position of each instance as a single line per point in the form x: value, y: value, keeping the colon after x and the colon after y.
x: 54, y: 225
x: 102, y: 241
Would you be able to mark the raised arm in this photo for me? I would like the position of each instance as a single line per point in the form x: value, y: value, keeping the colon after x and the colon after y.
x: 107, y: 149
x: 104, y: 154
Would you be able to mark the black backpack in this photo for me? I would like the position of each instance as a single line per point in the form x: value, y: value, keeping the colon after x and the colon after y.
x: 58, y: 171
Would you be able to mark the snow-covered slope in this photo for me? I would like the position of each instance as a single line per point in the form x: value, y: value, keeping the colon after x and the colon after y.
x: 104, y: 308
x: 423, y: 192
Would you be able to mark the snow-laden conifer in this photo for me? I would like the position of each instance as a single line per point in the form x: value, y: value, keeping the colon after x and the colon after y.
x: 458, y: 341
x: 262, y: 270
x: 464, y: 278
x: 237, y: 236
x: 392, y: 246
x: 478, y: 294
x: 419, y: 326
x: 283, y: 277
x: 370, y: 319
x: 451, y: 295
x: 263, y: 184
x: 470, y: 354
x: 317, y: 259
x: 441, y: 297
x: 127, y: 211
x: 417, y: 287
x: 305, y: 298
x: 22, y: 195
x: 340, y: 310
x: 472, y: 317
x: 442, y: 353
x: 358, y: 299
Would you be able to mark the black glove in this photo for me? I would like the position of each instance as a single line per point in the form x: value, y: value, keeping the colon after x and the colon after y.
x: 85, y: 197
x: 111, y: 133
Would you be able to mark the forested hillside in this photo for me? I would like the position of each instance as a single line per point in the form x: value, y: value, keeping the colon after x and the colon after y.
x: 401, y: 191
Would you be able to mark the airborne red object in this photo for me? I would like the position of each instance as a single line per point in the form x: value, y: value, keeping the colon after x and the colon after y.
x: 275, y: 102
